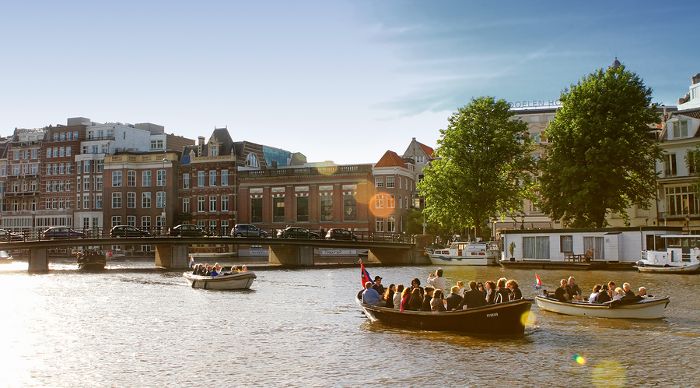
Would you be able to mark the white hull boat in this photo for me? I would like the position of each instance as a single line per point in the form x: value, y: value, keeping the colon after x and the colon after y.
x: 647, y: 308
x: 690, y: 268
x: 5, y: 257
x: 234, y: 281
x: 678, y: 253
x: 466, y: 253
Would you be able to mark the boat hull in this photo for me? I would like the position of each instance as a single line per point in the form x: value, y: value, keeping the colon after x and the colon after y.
x: 461, y: 260
x: 236, y: 281
x: 650, y: 308
x: 549, y: 264
x: 500, y: 319
x: 692, y: 268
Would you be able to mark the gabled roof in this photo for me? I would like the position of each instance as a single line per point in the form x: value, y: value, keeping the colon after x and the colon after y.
x: 223, y: 138
x: 390, y: 159
x: 428, y: 151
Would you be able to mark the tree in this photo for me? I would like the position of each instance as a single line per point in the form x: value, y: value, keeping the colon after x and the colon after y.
x: 482, y: 167
x: 602, y: 155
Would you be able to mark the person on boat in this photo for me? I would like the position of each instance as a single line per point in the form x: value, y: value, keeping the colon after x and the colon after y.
x: 490, y: 288
x: 643, y: 293
x: 415, y: 283
x: 480, y: 288
x: 244, y: 268
x: 611, y: 289
x: 397, y: 296
x: 619, y: 293
x: 594, y: 293
x: 191, y: 262
x: 603, y: 295
x: 416, y: 301
x: 573, y: 289
x: 502, y: 293
x: 389, y: 296
x: 473, y: 297
x: 460, y: 285
x: 627, y: 288
x: 437, y: 303
x: 427, y: 297
x: 378, y: 285
x: 214, y: 272
x: 514, y: 288
x: 370, y: 296
x: 436, y: 280
x: 454, y: 299
x: 405, y: 299
x: 561, y: 294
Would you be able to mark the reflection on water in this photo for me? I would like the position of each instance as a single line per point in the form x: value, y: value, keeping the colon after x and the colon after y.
x: 302, y: 328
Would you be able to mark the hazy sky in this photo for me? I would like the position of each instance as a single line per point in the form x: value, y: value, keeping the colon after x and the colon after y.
x: 335, y: 80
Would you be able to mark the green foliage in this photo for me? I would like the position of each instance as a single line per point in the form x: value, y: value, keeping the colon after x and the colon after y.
x: 602, y: 156
x: 483, y: 167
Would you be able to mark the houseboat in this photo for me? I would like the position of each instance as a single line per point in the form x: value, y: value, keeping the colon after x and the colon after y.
x: 675, y: 253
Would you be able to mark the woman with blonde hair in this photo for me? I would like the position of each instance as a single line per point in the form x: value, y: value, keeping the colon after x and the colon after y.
x: 438, y: 301
x: 502, y: 293
x: 619, y: 293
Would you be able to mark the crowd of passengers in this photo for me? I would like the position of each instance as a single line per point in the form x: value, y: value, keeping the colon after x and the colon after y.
x: 432, y: 297
x: 569, y: 291
x: 216, y: 270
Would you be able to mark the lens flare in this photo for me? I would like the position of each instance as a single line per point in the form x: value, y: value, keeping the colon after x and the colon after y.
x: 381, y: 205
x: 327, y: 170
x: 579, y: 359
x: 608, y: 374
x: 528, y: 318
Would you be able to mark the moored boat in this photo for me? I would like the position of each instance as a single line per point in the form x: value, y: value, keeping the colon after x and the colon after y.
x: 676, y: 254
x: 233, y: 281
x: 646, y: 308
x: 466, y: 253
x: 5, y: 257
x: 499, y: 319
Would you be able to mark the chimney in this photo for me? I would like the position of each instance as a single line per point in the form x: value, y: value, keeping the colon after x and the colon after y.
x: 200, y: 140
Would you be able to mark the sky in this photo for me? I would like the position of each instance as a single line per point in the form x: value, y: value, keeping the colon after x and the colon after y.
x: 335, y: 80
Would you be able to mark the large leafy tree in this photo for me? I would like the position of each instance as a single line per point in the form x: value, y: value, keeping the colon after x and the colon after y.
x: 482, y: 168
x: 602, y: 156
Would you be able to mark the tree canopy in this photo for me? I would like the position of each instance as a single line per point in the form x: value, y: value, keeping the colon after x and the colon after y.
x: 601, y: 155
x: 482, y: 167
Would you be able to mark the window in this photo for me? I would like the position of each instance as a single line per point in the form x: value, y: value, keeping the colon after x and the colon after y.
x: 251, y: 160
x: 156, y: 145
x: 566, y: 244
x: 86, y: 201
x: 379, y: 182
x: 160, y: 199
x: 224, y: 228
x: 224, y: 203
x: 116, y: 179
x: 98, y: 201
x: 116, y: 200
x: 256, y: 209
x: 212, y: 226
x: 302, y: 209
x: 390, y: 182
x: 98, y: 183
x: 212, y: 203
x: 379, y: 224
x: 213, y: 150
x: 116, y: 220
x: 131, y: 200
x: 391, y: 224
x: 681, y: 200
x: 212, y: 177
x: 146, y: 222
x: 391, y: 203
x: 131, y: 220
x: 680, y: 129
x: 131, y: 178
x: 160, y: 178
x: 349, y: 207
x: 185, y: 181
x: 146, y: 178
x: 536, y: 247
x: 146, y: 200
x: 326, y: 207
x: 186, y: 205
x: 379, y: 201
x: 200, y: 178
x: 200, y: 203
x: 670, y: 165
x: 278, y: 209
x: 224, y: 177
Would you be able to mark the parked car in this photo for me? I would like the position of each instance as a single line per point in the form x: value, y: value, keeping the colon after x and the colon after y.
x: 340, y: 234
x: 128, y: 231
x: 248, y: 230
x: 191, y: 230
x: 6, y: 235
x: 62, y: 232
x: 297, y: 232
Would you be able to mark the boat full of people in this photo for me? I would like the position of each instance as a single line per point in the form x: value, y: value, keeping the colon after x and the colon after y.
x: 675, y: 254
x: 466, y: 253
x: 213, y: 277
x: 91, y: 260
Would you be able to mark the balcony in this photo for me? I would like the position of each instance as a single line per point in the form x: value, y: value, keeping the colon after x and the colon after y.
x: 308, y: 171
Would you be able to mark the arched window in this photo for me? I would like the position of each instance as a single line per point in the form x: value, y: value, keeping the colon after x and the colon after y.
x: 251, y: 160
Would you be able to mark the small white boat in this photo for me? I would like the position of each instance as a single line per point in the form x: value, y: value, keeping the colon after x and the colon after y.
x: 5, y: 257
x: 647, y: 308
x: 234, y: 281
x: 676, y: 254
x: 466, y: 253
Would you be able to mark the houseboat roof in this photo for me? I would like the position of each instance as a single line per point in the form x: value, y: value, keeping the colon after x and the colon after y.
x: 595, y: 230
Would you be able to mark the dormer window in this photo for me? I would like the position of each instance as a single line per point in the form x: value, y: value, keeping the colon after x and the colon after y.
x: 251, y: 160
x: 680, y: 129
x: 213, y: 150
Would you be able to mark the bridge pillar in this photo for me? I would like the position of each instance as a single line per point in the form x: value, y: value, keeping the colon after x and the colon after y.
x: 391, y: 256
x: 172, y: 256
x: 292, y: 255
x: 38, y: 260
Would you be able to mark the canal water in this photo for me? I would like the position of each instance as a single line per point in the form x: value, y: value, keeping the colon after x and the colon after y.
x: 302, y: 328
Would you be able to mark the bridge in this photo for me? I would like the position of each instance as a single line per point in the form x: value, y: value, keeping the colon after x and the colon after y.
x: 173, y: 252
